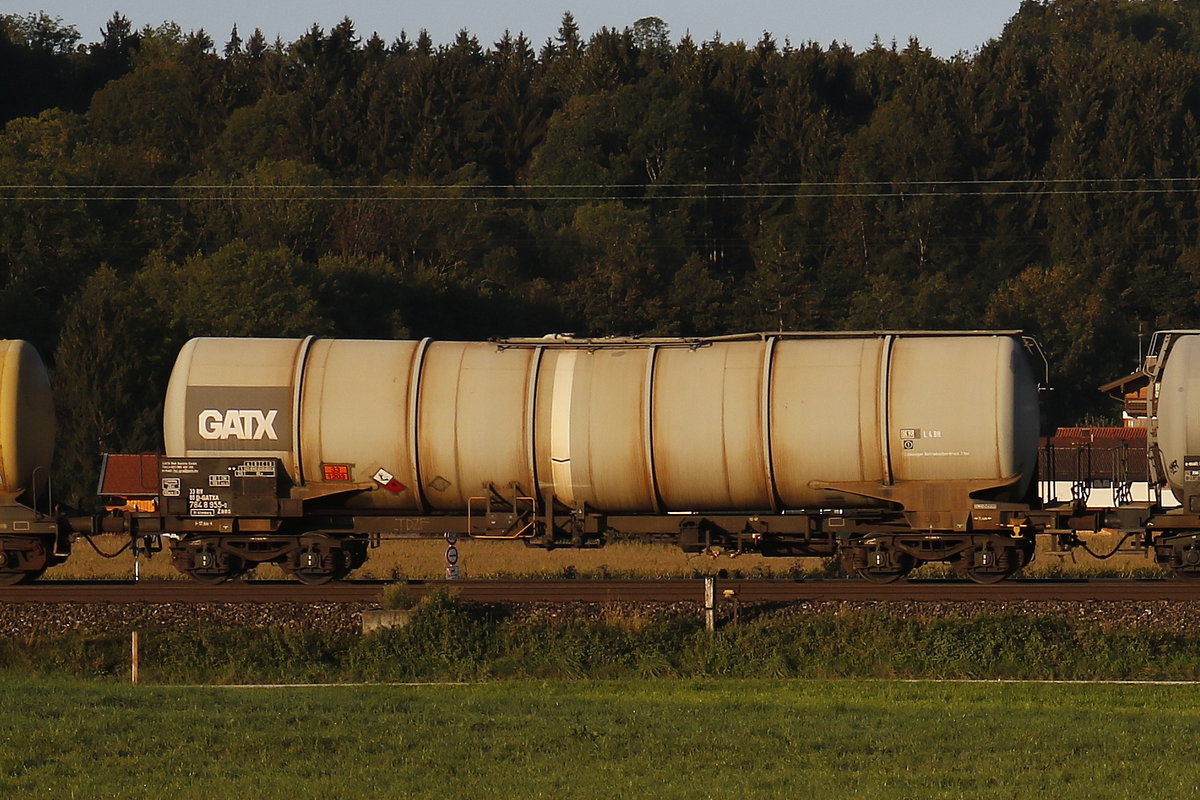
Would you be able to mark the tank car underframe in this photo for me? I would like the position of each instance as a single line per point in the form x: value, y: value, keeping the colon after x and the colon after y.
x: 877, y: 545
x: 227, y: 514
x: 222, y: 526
x: 874, y: 547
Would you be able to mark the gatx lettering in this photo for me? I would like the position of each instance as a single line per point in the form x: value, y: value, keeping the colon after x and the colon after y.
x: 238, y: 424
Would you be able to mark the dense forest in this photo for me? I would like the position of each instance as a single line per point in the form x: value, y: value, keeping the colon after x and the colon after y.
x: 159, y: 185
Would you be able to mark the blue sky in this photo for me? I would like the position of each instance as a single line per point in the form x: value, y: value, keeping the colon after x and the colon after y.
x: 945, y: 26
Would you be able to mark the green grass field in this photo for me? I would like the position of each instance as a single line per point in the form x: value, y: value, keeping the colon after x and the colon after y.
x: 585, y: 739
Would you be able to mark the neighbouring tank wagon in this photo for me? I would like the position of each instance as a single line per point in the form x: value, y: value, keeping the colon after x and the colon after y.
x: 31, y: 537
x: 1176, y: 409
x: 1165, y: 393
x: 888, y: 449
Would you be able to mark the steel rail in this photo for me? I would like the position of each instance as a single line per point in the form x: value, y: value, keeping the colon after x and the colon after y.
x: 601, y: 591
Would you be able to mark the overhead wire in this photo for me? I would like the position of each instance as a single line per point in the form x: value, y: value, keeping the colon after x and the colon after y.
x: 582, y: 192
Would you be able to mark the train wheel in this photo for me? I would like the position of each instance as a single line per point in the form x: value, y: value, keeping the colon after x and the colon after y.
x: 231, y: 569
x: 986, y: 566
x: 1185, y: 560
x: 321, y: 559
x: 314, y: 578
x: 881, y: 577
x: 22, y: 560
x: 883, y: 565
x: 207, y: 564
x: 981, y: 576
x: 13, y: 577
x: 213, y: 578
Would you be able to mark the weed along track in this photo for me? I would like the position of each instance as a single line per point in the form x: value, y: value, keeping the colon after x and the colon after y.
x: 448, y: 639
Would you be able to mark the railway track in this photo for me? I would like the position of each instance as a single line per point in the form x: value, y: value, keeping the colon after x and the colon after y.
x: 600, y: 591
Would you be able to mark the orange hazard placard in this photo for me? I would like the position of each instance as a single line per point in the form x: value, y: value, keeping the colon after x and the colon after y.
x: 335, y: 472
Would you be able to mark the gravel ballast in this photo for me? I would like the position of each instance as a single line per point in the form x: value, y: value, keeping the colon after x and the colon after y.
x: 26, y: 620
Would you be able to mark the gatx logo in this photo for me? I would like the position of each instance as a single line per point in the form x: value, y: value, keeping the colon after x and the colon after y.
x: 236, y: 423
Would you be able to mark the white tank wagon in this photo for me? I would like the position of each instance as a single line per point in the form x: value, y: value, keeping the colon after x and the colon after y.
x: 1177, y: 411
x: 889, y: 449
x: 30, y: 537
x: 1166, y: 392
x: 737, y: 424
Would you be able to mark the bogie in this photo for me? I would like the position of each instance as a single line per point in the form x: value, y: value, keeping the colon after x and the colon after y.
x: 311, y: 558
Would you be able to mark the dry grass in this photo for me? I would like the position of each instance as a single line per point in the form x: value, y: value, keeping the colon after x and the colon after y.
x: 1078, y: 562
x: 425, y: 559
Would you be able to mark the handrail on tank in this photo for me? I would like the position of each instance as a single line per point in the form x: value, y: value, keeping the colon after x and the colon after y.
x: 1033, y: 346
x: 34, y: 492
x: 1159, y: 337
